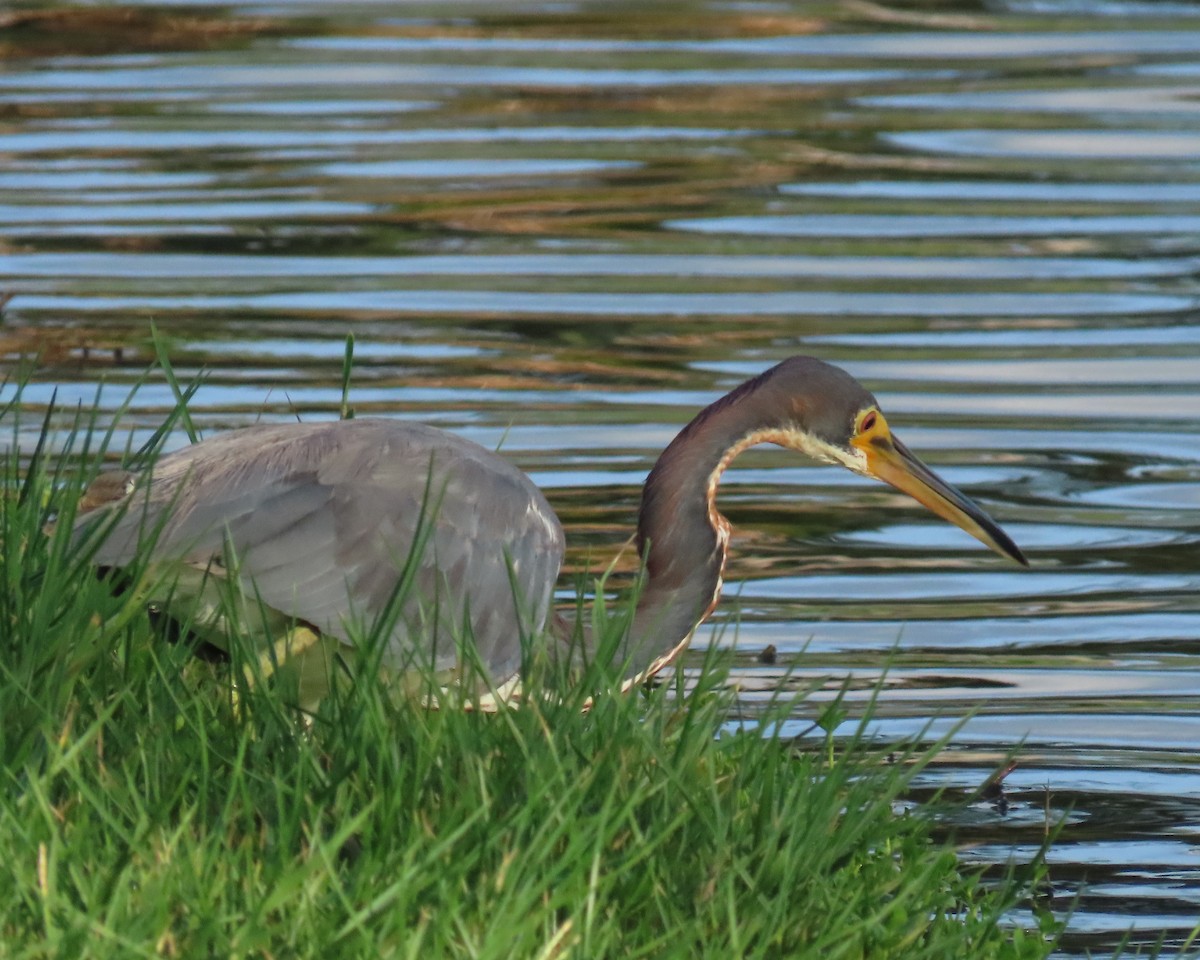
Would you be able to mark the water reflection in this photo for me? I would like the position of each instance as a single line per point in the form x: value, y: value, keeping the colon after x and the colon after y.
x: 125, y: 139
x: 357, y: 74
x: 1181, y: 145
x: 461, y: 302
x: 98, y: 265
x: 1140, y: 101
x: 910, y: 45
x: 1005, y: 190
x: 943, y: 225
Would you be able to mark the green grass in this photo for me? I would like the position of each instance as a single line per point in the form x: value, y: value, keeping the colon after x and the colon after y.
x: 142, y: 815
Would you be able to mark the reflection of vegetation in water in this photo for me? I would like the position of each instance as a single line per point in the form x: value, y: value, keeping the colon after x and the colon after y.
x: 97, y: 31
x: 143, y: 809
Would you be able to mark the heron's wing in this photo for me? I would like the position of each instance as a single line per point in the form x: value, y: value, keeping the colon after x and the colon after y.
x: 322, y: 519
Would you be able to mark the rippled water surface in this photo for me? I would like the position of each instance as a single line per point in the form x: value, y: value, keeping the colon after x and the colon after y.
x: 561, y: 228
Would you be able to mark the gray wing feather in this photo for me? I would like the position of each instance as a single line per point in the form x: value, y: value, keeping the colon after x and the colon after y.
x: 322, y: 518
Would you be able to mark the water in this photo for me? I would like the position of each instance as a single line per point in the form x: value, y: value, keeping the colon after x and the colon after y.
x: 563, y: 228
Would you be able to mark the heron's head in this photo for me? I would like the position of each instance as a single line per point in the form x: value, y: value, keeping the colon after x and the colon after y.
x: 832, y: 417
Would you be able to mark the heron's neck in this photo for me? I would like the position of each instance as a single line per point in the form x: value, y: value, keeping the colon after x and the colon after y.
x: 682, y: 537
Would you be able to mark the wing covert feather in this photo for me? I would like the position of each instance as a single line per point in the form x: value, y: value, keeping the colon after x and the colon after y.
x: 322, y: 517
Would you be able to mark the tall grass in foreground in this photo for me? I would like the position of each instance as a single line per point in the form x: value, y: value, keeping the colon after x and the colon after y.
x: 141, y: 815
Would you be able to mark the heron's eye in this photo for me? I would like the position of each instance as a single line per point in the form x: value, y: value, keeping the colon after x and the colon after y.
x: 868, y: 422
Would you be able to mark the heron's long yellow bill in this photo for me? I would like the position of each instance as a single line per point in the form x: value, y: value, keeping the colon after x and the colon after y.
x: 892, y: 462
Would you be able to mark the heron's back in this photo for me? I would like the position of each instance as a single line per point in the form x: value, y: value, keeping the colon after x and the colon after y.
x: 324, y: 518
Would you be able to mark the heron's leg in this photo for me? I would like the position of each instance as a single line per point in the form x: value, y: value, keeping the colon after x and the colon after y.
x: 303, y: 659
x: 293, y: 644
x: 201, y: 600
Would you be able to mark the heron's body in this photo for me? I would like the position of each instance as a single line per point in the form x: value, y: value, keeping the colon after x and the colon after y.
x: 323, y: 519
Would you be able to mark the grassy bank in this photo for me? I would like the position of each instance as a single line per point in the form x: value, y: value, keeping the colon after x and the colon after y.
x: 142, y: 815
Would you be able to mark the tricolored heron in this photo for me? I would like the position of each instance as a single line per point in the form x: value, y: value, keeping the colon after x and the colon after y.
x: 322, y: 519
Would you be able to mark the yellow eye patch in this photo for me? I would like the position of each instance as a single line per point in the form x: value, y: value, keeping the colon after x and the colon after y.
x: 870, y: 421
x: 869, y: 425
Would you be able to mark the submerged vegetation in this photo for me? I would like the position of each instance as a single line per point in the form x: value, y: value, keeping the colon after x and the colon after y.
x: 146, y: 812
